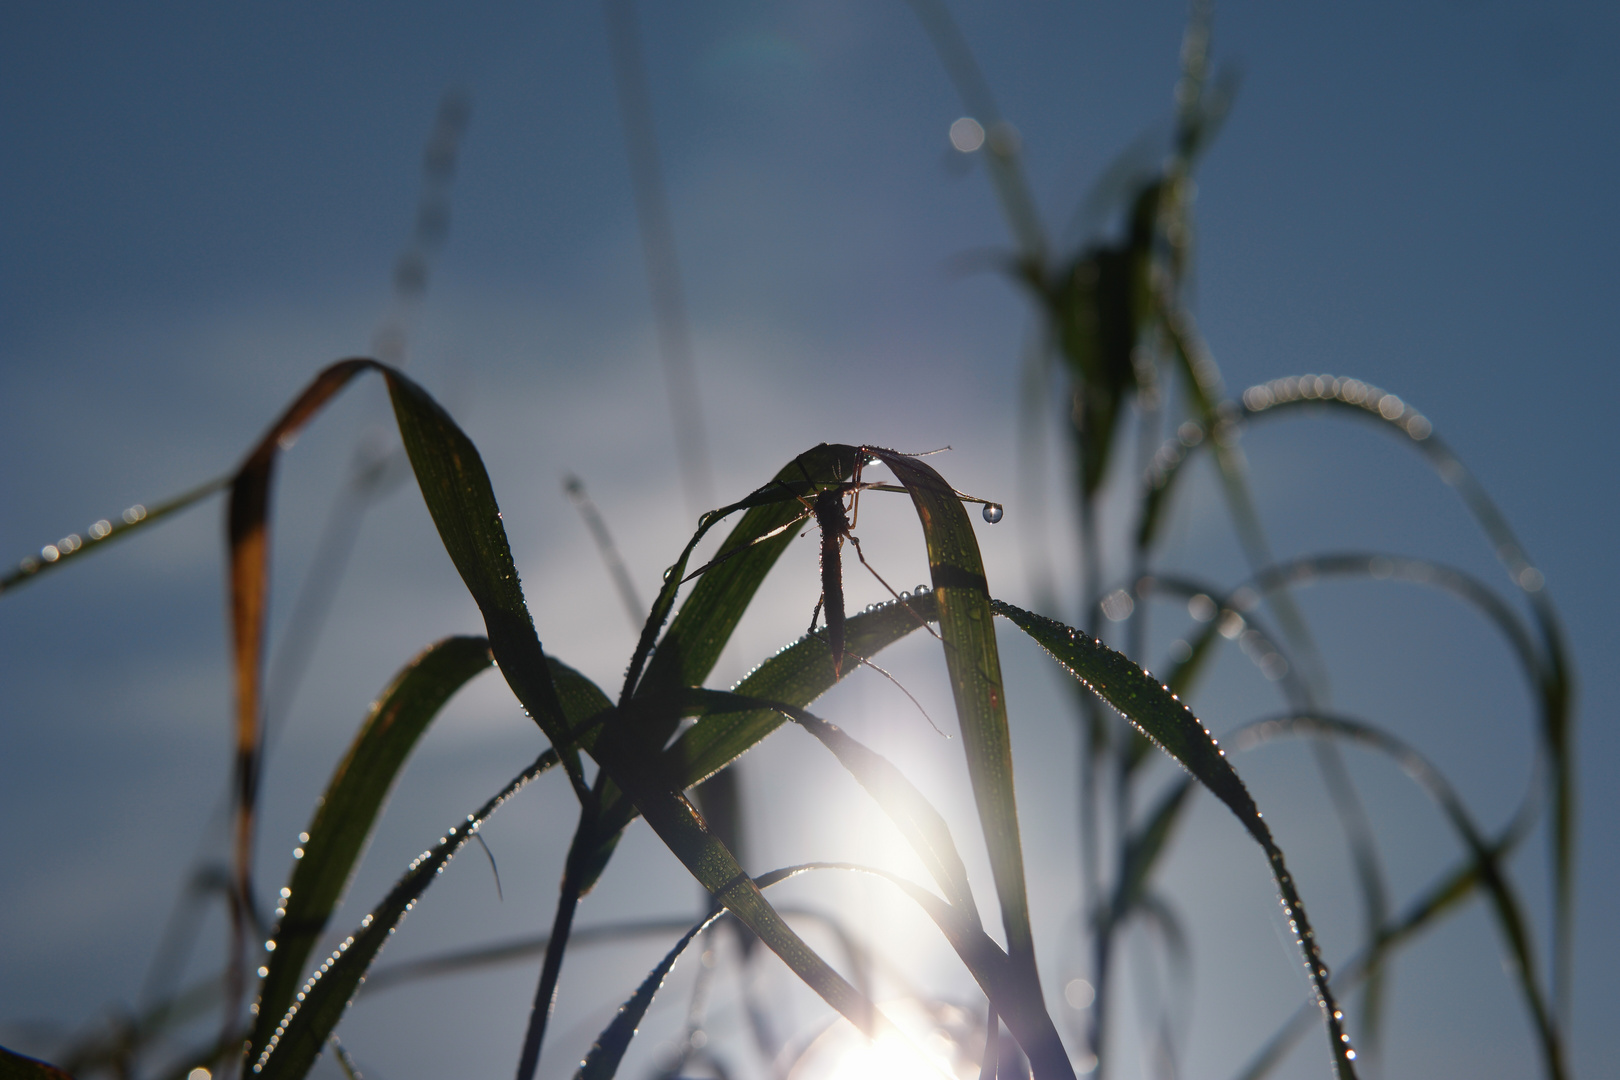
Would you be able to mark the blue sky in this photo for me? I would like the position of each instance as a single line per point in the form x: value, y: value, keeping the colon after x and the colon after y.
x: 202, y: 206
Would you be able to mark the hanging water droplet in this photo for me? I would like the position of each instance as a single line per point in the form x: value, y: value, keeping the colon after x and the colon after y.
x: 992, y: 512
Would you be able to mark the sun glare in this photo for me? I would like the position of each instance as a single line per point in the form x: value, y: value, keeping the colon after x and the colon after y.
x: 926, y: 1046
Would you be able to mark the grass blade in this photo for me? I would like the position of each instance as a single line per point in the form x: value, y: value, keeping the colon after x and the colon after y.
x: 302, y: 1032
x: 103, y: 532
x: 1489, y: 872
x: 602, y: 1062
x: 348, y: 811
x: 683, y: 831
x: 968, y: 630
x: 1170, y: 724
x: 1360, y: 399
x: 15, y: 1066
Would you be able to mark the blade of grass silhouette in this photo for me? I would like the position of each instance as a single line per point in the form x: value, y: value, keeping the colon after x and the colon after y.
x: 299, y: 1035
x: 575, y: 489
x: 984, y: 957
x: 101, y: 533
x: 1163, y: 718
x: 710, y: 614
x: 456, y: 490
x: 683, y: 831
x: 1357, y: 398
x: 602, y: 1062
x: 348, y: 811
x: 1447, y: 894
x: 15, y: 1066
x: 1504, y: 900
x: 658, y: 248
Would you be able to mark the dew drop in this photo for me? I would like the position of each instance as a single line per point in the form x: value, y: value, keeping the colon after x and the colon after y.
x: 992, y: 512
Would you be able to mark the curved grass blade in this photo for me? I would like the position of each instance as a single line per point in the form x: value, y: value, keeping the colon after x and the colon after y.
x: 348, y: 811
x: 1358, y: 398
x: 1446, y: 895
x: 602, y: 1062
x: 683, y: 831
x: 922, y: 826
x: 458, y: 495
x: 457, y: 492
x: 1489, y: 873
x: 301, y: 1033
x: 103, y: 532
x: 248, y: 536
x: 996, y: 973
x: 797, y: 675
x: 689, y: 648
x: 1170, y: 724
x: 967, y: 628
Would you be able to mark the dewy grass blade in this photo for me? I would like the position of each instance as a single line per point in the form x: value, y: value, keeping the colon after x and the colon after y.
x: 797, y: 676
x: 602, y: 1063
x: 968, y: 630
x: 1169, y: 723
x: 457, y: 492
x: 1447, y: 894
x: 1489, y: 872
x: 103, y: 532
x: 689, y: 648
x: 1363, y: 400
x: 344, y: 817
x: 301, y: 1033
x: 683, y: 831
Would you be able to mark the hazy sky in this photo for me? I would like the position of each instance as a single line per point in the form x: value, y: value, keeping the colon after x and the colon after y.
x: 201, y: 205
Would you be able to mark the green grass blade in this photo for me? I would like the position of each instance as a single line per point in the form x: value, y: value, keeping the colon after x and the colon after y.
x: 602, y: 1062
x: 797, y: 676
x: 1170, y: 724
x: 301, y: 1033
x: 689, y: 648
x: 967, y: 627
x: 458, y: 495
x: 683, y: 831
x: 103, y: 532
x: 348, y: 811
